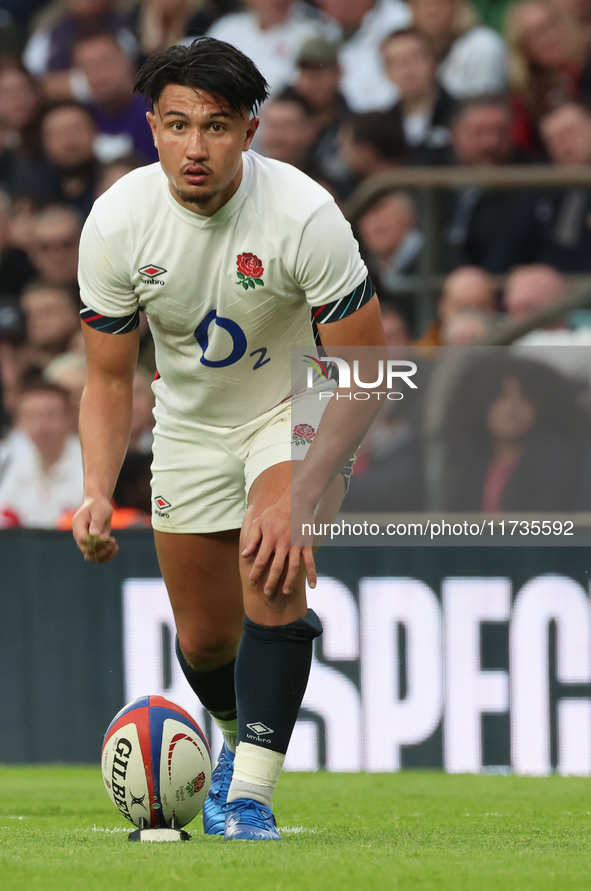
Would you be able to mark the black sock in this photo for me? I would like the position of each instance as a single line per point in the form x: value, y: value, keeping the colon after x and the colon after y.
x: 215, y: 689
x: 272, y: 669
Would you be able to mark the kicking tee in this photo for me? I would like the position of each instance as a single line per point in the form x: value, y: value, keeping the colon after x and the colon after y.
x: 226, y: 296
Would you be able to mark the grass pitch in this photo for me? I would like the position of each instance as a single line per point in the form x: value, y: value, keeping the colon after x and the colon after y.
x: 406, y: 831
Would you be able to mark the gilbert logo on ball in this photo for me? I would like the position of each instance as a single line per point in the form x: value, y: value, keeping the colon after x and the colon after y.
x: 156, y: 763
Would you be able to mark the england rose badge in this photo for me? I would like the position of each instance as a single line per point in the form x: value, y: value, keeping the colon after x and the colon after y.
x: 250, y: 271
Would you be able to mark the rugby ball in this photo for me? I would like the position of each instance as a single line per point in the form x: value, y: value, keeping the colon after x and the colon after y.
x: 156, y: 763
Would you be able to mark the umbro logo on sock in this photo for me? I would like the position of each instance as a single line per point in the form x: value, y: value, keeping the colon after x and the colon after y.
x: 259, y: 728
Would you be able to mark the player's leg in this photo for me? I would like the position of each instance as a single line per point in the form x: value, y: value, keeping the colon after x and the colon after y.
x: 272, y: 670
x: 198, y: 474
x: 203, y: 581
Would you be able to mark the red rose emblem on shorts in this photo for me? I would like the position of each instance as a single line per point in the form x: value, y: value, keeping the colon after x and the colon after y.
x: 250, y: 271
x: 302, y: 434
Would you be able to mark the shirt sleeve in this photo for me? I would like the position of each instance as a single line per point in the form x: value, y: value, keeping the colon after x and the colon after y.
x: 328, y: 263
x: 105, y: 284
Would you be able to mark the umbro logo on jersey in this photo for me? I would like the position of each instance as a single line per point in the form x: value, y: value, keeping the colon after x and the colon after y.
x: 150, y: 274
x: 151, y: 271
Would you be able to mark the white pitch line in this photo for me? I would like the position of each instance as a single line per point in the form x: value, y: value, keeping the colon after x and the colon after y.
x: 295, y: 830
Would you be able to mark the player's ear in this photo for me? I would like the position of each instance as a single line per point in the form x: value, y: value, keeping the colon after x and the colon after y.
x: 253, y: 126
x: 151, y: 119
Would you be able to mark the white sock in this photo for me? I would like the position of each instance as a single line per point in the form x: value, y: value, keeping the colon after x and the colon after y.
x: 229, y: 730
x: 256, y: 771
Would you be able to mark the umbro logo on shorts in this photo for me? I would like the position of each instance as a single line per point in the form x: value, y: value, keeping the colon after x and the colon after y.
x: 162, y: 504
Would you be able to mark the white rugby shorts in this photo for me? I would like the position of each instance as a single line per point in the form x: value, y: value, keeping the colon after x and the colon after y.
x: 201, y: 474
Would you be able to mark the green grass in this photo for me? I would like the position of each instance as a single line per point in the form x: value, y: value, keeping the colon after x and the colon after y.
x: 406, y: 831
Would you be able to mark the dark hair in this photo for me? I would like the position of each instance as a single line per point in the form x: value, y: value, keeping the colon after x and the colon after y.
x: 291, y: 95
x: 68, y: 103
x: 381, y: 129
x: 481, y: 383
x: 210, y: 65
x: 485, y: 100
x: 37, y: 384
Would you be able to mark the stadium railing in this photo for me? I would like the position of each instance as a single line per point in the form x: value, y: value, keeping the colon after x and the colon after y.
x: 426, y: 182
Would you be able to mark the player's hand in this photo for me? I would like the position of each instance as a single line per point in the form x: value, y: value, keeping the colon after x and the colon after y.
x: 269, y: 538
x: 91, y: 527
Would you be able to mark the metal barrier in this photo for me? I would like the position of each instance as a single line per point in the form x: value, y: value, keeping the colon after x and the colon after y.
x: 427, y: 181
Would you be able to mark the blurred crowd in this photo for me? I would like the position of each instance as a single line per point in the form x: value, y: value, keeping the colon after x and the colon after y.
x: 358, y: 88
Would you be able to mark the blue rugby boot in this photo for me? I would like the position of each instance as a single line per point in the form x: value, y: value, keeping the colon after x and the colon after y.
x: 214, y: 818
x: 250, y: 820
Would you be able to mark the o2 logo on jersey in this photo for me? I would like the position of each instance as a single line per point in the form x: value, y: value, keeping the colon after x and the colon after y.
x: 238, y: 342
x: 234, y: 330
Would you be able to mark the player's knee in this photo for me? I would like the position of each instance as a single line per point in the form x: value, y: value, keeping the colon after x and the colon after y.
x: 207, y: 654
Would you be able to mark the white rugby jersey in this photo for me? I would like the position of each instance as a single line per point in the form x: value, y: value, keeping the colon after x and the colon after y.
x: 226, y: 296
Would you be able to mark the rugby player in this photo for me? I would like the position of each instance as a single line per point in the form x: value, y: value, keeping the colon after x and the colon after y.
x: 233, y: 257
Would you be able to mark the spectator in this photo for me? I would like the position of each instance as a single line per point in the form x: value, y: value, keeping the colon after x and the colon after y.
x: 395, y: 324
x: 514, y: 440
x: 481, y: 131
x: 389, y: 234
x: 467, y: 289
x: 22, y: 170
x: 52, y: 319
x: 492, y: 229
x: 388, y: 474
x: 425, y: 106
x: 119, y: 115
x: 68, y: 132
x: 531, y: 289
x: 22, y: 216
x: 68, y: 371
x: 467, y: 328
x: 373, y: 142
x: 271, y: 33
x: 20, y: 107
x: 13, y: 333
x: 162, y: 23
x: 567, y: 134
x: 317, y: 81
x: 142, y: 419
x: 54, y: 246
x: 365, y: 23
x: 113, y: 172
x: 288, y: 130
x: 577, y: 9
x: 563, y: 237
x: 547, y: 49
x: 472, y: 58
x: 15, y: 267
x: 49, y: 54
x: 44, y: 476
